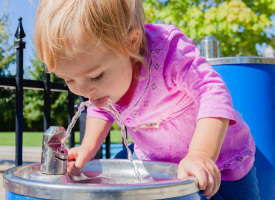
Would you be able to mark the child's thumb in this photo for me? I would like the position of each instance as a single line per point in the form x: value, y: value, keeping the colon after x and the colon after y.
x: 182, y: 174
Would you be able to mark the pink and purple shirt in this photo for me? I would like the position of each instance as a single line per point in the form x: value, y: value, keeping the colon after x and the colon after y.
x: 181, y: 87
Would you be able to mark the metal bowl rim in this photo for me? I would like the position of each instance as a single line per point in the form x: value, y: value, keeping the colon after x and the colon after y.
x: 175, y: 181
x: 11, y: 180
x: 241, y: 60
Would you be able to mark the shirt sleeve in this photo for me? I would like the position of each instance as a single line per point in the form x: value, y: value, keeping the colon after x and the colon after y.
x: 188, y: 70
x: 95, y: 112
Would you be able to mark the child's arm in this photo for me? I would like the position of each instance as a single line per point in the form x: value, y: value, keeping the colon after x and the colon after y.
x: 95, y: 134
x: 203, y: 152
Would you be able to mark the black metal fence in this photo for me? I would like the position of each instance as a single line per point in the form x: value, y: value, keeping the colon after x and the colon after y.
x: 20, y: 84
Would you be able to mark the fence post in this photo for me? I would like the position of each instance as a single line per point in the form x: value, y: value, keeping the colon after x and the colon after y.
x: 19, y: 45
x: 82, y: 119
x: 108, y: 145
x: 70, y: 117
x: 126, y: 133
x: 47, y: 100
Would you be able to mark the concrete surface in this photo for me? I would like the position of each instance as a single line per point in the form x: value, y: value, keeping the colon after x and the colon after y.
x: 7, y: 158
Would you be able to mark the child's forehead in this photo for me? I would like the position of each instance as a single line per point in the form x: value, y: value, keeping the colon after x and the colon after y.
x: 88, y: 58
x: 69, y: 68
x: 84, y: 52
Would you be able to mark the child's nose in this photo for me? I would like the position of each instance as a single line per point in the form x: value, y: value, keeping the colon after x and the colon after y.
x: 93, y: 90
x: 86, y: 91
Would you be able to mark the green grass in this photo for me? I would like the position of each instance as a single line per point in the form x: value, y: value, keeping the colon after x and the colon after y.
x: 35, y: 138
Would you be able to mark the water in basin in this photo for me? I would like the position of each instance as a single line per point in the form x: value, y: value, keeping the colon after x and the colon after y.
x: 104, y: 172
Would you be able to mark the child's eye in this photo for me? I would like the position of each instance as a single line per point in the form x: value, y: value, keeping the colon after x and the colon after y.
x: 97, y: 78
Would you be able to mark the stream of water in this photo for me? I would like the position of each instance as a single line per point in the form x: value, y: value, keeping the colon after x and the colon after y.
x: 109, y: 107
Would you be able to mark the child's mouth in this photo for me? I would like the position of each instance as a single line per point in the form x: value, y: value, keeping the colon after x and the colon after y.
x: 100, y: 102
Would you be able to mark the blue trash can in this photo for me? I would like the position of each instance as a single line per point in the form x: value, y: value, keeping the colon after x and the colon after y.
x: 251, y: 82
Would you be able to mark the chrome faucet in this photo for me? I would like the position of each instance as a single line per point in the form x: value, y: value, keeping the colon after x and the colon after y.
x: 54, y: 154
x: 210, y: 47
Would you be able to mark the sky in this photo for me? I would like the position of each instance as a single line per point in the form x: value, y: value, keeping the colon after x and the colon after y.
x: 27, y: 10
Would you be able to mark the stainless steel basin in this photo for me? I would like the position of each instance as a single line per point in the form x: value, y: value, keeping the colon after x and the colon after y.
x: 102, y: 179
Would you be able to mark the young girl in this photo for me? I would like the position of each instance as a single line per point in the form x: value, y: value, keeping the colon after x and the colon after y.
x: 175, y: 106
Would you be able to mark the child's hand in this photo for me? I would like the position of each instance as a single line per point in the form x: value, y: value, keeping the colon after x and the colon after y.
x: 204, y: 168
x: 81, y: 155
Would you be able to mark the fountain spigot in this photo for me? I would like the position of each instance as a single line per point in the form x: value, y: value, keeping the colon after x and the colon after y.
x: 210, y: 47
x: 54, y: 154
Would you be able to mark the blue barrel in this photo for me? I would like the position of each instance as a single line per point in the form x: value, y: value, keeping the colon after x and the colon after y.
x: 10, y: 196
x: 251, y: 82
x: 13, y: 196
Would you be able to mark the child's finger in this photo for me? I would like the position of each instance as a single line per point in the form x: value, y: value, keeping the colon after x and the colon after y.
x: 214, y: 170
x: 71, y: 169
x: 72, y: 155
x: 79, y: 163
x: 210, y: 184
x: 81, y: 160
x: 213, y: 180
x: 182, y: 174
x: 216, y: 186
x: 193, y: 178
x: 200, y: 173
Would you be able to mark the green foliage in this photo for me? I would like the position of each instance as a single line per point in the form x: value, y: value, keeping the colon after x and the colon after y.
x: 115, y: 126
x: 238, y: 25
x: 7, y: 53
x: 7, y: 106
x: 7, y: 56
x: 33, y: 109
x: 35, y: 138
x: 33, y: 100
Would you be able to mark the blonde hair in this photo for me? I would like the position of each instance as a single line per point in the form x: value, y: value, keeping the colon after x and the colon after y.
x: 61, y: 25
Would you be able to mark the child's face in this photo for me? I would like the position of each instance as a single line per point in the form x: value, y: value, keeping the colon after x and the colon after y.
x: 97, y: 73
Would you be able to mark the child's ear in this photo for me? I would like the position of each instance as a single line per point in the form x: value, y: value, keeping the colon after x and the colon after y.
x: 135, y: 39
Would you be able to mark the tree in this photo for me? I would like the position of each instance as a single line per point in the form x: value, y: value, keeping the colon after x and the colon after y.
x: 7, y: 53
x: 33, y: 101
x: 238, y: 25
x: 33, y: 110
x: 7, y: 56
